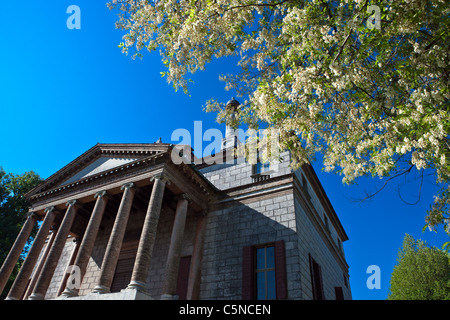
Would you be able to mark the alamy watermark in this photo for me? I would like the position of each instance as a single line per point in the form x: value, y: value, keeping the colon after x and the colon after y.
x: 374, y: 21
x: 74, y: 278
x: 374, y: 280
x: 212, y: 147
x: 74, y: 20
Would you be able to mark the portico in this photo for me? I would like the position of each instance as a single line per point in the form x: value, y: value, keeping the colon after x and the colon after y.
x: 111, y: 212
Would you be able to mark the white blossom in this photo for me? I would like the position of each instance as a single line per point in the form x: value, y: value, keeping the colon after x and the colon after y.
x: 371, y: 101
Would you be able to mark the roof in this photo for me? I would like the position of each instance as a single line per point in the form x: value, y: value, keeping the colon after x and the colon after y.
x: 111, y: 151
x: 104, y: 162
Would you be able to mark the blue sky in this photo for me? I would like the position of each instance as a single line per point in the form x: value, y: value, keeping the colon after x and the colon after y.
x: 62, y: 91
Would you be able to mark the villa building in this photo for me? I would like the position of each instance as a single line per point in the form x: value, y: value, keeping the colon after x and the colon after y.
x: 123, y: 221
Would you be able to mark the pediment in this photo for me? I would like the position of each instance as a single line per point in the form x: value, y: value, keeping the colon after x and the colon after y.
x: 99, y: 165
x: 100, y: 158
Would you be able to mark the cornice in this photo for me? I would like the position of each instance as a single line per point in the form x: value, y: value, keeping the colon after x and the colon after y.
x: 195, y: 177
x: 323, y: 198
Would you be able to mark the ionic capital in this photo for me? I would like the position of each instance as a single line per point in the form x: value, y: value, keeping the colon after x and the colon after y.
x: 100, y: 194
x: 162, y: 177
x: 71, y: 203
x: 127, y: 186
x: 33, y: 215
x: 49, y: 209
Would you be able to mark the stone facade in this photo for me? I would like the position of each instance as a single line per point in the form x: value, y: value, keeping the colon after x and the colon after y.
x: 265, y: 212
x: 206, y: 245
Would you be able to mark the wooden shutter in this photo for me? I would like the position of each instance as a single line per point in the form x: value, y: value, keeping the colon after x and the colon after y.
x: 339, y: 293
x: 124, y: 269
x: 248, y: 273
x: 183, y: 277
x: 280, y: 270
x: 316, y: 279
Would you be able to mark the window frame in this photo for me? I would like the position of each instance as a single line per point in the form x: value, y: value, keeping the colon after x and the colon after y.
x: 260, y: 168
x: 249, y: 274
x: 264, y: 270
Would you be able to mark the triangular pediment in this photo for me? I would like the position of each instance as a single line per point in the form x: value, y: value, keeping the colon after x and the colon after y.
x: 99, y: 165
x: 100, y: 158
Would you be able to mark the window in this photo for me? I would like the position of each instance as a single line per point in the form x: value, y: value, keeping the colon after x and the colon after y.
x: 261, y: 168
x: 316, y: 279
x: 305, y: 187
x: 264, y: 271
x: 124, y: 268
x: 327, y: 225
x: 261, y: 171
x: 339, y: 293
x: 340, y: 245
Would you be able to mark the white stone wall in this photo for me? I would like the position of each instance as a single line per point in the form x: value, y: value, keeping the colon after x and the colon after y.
x: 266, y: 220
x: 311, y: 241
x: 238, y: 173
x: 320, y: 212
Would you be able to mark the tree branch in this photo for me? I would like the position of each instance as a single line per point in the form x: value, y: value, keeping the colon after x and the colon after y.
x: 369, y: 196
x: 420, y: 192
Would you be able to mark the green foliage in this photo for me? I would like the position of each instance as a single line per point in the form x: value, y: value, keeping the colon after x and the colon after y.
x: 13, y: 209
x: 422, y: 273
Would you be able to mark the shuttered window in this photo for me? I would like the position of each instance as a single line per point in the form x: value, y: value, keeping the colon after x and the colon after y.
x: 264, y: 272
x: 124, y: 269
x: 316, y: 279
x: 339, y: 293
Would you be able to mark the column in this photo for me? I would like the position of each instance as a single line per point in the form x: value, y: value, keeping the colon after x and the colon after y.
x: 87, y: 244
x: 196, y: 263
x: 16, y: 250
x: 148, y: 235
x: 55, y: 252
x: 42, y: 257
x: 115, y: 240
x: 21, y: 281
x: 176, y: 241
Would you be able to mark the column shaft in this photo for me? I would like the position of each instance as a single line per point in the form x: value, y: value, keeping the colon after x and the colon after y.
x: 148, y: 235
x: 37, y: 271
x: 16, y: 250
x: 196, y: 263
x: 173, y: 257
x: 55, y: 252
x: 115, y: 240
x: 28, y: 265
x: 87, y: 244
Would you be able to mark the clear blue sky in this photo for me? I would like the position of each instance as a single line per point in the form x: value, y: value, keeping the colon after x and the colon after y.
x: 62, y: 91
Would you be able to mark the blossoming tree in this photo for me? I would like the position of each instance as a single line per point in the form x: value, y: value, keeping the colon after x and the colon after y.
x: 363, y: 82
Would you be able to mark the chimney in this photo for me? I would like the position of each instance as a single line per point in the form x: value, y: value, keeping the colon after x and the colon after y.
x: 231, y: 139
